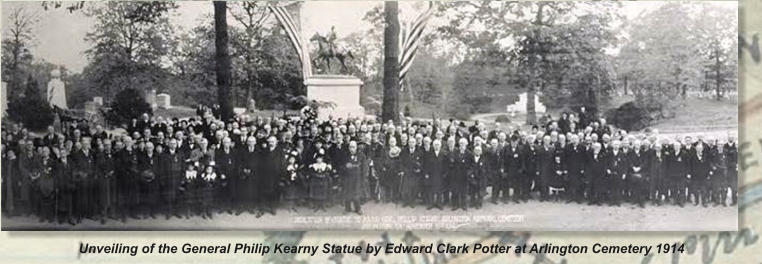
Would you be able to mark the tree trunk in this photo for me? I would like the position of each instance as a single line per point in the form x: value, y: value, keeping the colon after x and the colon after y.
x: 625, y: 85
x: 717, y: 74
x: 222, y: 59
x: 531, y: 112
x: 531, y: 89
x: 391, y: 104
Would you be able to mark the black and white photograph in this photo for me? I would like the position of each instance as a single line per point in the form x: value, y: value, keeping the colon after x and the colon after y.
x: 370, y: 115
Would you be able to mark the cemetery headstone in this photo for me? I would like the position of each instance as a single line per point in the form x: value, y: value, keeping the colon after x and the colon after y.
x: 163, y: 101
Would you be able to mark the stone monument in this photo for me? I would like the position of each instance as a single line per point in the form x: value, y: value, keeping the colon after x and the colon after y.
x: 521, y: 105
x: 333, y: 85
x: 163, y: 101
x: 341, y: 90
x: 98, y: 101
x: 151, y: 98
x: 56, y: 94
x: 251, y: 107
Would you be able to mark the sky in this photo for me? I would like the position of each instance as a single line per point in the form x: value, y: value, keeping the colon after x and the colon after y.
x: 60, y: 34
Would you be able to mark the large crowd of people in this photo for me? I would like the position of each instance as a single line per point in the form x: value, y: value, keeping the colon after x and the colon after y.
x: 202, y: 166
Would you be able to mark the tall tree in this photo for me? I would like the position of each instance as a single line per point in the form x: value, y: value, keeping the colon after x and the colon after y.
x: 222, y: 58
x: 529, y: 34
x: 391, y: 104
x: 717, y: 31
x: 17, y: 41
x: 148, y: 11
x: 659, y: 57
x: 129, y: 42
x: 251, y: 16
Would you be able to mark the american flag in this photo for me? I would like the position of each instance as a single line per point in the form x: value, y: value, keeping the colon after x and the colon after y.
x: 410, y: 39
x: 287, y: 22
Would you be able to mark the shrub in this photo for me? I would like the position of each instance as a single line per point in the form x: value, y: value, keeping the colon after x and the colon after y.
x: 127, y: 104
x: 630, y: 116
x: 503, y: 119
x: 32, y: 110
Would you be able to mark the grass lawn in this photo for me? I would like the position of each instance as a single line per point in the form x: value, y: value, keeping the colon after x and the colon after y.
x: 702, y: 114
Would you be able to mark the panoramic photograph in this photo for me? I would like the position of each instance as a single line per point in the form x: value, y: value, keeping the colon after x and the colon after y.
x: 370, y: 115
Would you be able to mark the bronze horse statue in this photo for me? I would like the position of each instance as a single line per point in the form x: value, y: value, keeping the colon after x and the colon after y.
x: 327, y: 51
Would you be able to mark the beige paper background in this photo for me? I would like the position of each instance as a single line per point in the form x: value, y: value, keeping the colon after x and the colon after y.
x: 711, y: 247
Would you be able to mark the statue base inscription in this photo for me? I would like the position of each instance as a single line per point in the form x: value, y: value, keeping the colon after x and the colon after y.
x: 341, y: 90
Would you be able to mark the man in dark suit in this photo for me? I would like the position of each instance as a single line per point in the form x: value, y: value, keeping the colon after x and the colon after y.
x: 352, y: 171
x: 545, y: 160
x: 172, y: 172
x: 248, y: 156
x: 84, y: 167
x: 596, y: 172
x: 459, y: 165
x: 412, y: 164
x: 531, y: 166
x: 617, y: 173
x: 105, y: 180
x: 226, y: 169
x: 699, y: 174
x: 636, y: 173
x: 575, y: 157
x: 678, y: 170
x: 434, y: 164
x: 656, y: 173
x: 496, y: 175
x: 731, y: 150
x: 149, y: 168
x: 271, y: 168
x: 513, y: 171
x: 126, y: 160
x: 719, y: 176
x: 477, y: 171
x: 51, y: 138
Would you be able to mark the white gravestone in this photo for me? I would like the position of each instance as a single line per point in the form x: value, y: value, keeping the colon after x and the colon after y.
x: 151, y: 98
x: 163, y: 101
x: 56, y: 94
x: 343, y: 91
x: 98, y: 100
x: 521, y: 105
x: 91, y: 107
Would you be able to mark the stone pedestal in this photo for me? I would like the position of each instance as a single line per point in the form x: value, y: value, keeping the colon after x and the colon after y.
x: 341, y: 90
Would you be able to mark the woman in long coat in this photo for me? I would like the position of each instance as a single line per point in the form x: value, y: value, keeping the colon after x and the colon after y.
x: 293, y: 182
x: 320, y: 174
x: 191, y: 187
x: 208, y: 190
